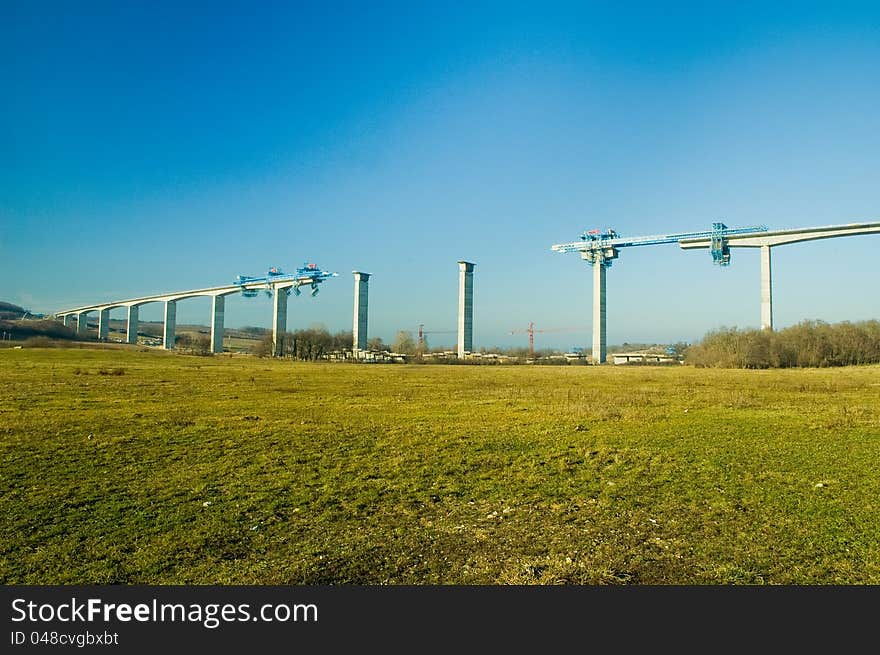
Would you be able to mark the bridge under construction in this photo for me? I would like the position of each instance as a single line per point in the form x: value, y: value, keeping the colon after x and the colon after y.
x: 275, y: 284
x: 599, y: 249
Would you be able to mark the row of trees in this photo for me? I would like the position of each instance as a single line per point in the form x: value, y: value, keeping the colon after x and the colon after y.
x: 307, y: 345
x: 807, y: 344
x: 316, y: 341
x: 193, y: 344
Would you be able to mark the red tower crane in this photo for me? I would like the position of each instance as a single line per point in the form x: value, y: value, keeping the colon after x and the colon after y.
x: 531, y: 332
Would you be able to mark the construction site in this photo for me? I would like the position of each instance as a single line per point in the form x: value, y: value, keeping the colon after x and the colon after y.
x: 597, y: 248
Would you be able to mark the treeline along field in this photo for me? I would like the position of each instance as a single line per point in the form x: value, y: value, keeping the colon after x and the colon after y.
x: 134, y: 467
x: 807, y: 344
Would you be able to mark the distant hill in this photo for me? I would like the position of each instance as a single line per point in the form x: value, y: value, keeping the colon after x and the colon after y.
x: 20, y: 330
x: 10, y: 312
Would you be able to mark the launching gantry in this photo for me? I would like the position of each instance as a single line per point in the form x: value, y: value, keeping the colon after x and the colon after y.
x: 601, y: 248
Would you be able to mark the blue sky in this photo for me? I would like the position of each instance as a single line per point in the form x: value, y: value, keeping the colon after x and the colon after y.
x: 151, y: 149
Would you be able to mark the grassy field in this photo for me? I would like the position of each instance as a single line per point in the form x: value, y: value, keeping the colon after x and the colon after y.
x: 119, y: 466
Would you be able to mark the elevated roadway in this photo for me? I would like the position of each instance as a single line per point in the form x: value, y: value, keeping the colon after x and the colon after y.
x: 767, y: 240
x: 280, y: 290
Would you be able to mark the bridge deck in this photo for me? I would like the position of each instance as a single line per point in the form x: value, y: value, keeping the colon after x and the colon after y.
x: 225, y: 290
x: 782, y: 237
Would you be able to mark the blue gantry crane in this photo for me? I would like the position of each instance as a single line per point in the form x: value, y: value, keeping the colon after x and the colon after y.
x: 600, y: 248
x: 603, y: 246
x: 307, y: 274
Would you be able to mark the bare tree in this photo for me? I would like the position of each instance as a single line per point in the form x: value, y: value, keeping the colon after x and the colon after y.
x: 404, y: 343
x: 376, y: 344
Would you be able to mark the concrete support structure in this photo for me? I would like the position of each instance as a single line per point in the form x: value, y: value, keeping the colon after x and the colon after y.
x: 68, y: 320
x: 218, y: 308
x: 465, y: 308
x: 766, y: 290
x: 279, y: 320
x: 600, y: 260
x: 361, y: 303
x: 132, y: 336
x: 103, y: 324
x: 170, y: 324
x: 599, y: 329
x: 82, y: 323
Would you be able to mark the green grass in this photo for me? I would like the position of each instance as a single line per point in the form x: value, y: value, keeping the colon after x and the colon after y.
x: 131, y: 467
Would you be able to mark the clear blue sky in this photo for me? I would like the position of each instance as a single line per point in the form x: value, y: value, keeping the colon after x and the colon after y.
x: 149, y: 149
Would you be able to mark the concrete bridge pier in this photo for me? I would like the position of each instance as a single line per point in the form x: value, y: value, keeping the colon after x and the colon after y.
x: 218, y: 308
x: 279, y: 320
x: 361, y: 305
x: 465, y: 308
x: 599, y: 328
x: 766, y: 290
x: 170, y: 324
x: 68, y: 320
x: 600, y: 261
x: 132, y: 334
x: 103, y: 324
x: 82, y: 323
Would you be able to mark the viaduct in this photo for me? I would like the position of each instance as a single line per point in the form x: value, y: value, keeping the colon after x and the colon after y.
x: 280, y: 291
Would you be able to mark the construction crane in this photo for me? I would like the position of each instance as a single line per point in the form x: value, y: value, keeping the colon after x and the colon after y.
x: 423, y: 332
x: 307, y: 274
x: 531, y: 332
x: 596, y: 245
x: 601, y: 248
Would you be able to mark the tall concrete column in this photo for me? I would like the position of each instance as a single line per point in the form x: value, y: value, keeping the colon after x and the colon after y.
x: 361, y: 302
x: 170, y: 324
x: 218, y: 308
x: 68, y: 321
x: 465, y: 308
x: 279, y: 320
x: 599, y: 312
x: 766, y: 290
x: 103, y: 324
x: 82, y: 323
x: 132, y: 336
